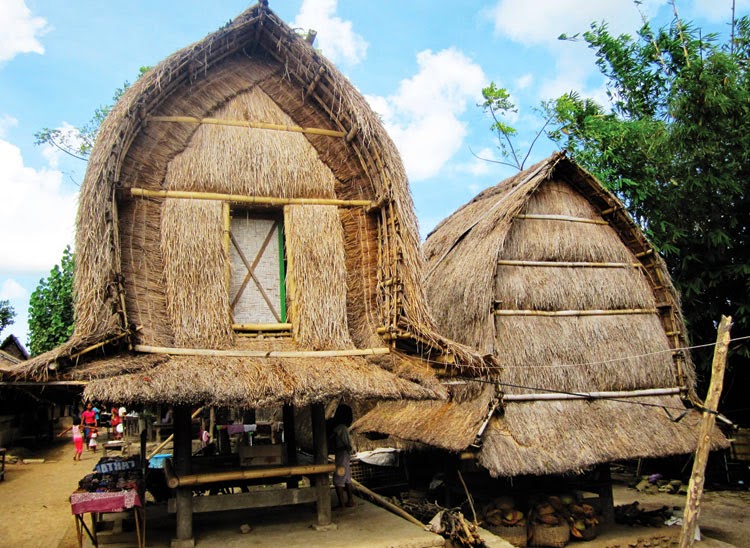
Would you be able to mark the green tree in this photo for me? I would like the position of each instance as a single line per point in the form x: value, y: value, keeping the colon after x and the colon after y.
x: 51, y: 307
x: 675, y: 146
x: 7, y: 315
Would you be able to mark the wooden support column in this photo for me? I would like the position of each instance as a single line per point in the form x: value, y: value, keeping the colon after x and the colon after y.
x: 604, y: 490
x: 317, y: 411
x: 698, y: 477
x: 183, y: 449
x: 290, y: 439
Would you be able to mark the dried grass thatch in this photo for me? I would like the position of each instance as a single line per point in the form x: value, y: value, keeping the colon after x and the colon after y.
x: 154, y: 267
x: 609, y: 325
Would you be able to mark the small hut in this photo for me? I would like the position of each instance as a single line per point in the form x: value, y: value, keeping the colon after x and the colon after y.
x: 547, y: 272
x: 246, y: 237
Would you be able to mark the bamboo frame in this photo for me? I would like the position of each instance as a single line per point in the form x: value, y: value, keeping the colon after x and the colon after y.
x: 174, y: 481
x: 98, y: 345
x: 247, y: 124
x: 594, y: 395
x: 226, y: 215
x: 574, y: 312
x: 172, y: 351
x: 509, y: 262
x: 562, y: 218
x: 262, y: 326
x: 239, y: 198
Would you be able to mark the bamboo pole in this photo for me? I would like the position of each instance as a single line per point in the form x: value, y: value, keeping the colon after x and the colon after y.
x: 172, y: 351
x: 508, y: 262
x: 575, y: 312
x: 262, y: 326
x: 97, y: 345
x: 697, y: 478
x: 566, y: 218
x: 226, y: 215
x: 174, y: 480
x: 248, y: 124
x: 163, y: 444
x: 242, y: 199
x: 593, y: 395
x: 385, y: 503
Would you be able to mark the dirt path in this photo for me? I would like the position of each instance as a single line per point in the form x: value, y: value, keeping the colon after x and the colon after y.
x: 34, y: 508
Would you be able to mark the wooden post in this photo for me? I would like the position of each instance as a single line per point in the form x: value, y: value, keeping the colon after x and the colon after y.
x: 183, y: 448
x: 290, y: 439
x: 695, y: 488
x: 211, y: 424
x: 320, y: 443
x: 606, y: 497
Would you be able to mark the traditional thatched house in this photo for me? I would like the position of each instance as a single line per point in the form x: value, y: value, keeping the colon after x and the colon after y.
x: 246, y: 237
x: 549, y: 273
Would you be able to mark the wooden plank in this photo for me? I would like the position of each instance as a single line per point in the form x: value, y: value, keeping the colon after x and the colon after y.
x: 189, y: 480
x: 172, y: 351
x: 254, y: 499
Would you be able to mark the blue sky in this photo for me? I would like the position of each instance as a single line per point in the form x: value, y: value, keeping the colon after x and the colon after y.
x: 421, y: 64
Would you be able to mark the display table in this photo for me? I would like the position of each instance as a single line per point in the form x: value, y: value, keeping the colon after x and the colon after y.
x: 115, y: 487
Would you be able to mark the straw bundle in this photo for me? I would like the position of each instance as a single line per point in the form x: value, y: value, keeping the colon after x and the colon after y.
x: 248, y: 161
x: 195, y: 271
x: 316, y: 276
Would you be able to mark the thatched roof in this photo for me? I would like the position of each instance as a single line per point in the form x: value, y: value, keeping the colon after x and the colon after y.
x: 153, y: 270
x: 570, y: 297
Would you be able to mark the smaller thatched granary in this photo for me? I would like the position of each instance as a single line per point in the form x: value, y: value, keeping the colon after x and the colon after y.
x: 549, y: 273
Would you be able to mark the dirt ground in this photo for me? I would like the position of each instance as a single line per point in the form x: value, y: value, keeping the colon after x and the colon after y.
x: 34, y: 509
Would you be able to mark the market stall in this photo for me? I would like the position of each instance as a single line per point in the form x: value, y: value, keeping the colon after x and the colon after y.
x: 116, y: 486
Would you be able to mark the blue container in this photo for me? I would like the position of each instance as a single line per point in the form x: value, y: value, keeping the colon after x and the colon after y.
x: 157, y: 461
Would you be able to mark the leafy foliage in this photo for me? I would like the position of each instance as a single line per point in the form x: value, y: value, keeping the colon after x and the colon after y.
x: 51, y: 307
x: 79, y: 141
x: 675, y: 146
x: 7, y: 315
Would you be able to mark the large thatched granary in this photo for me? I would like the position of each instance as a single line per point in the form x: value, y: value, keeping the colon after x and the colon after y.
x: 246, y: 237
x: 548, y: 272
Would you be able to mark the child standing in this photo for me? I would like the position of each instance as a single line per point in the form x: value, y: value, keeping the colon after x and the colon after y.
x: 94, y: 432
x: 77, y: 437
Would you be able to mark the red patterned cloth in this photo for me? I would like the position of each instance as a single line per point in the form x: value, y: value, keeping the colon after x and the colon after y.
x: 82, y: 502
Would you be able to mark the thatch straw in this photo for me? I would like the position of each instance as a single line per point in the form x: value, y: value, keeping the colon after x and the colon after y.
x: 317, y: 275
x: 194, y: 267
x: 537, y: 353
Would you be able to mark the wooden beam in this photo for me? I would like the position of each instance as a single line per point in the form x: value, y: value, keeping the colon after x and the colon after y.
x: 510, y: 262
x: 175, y: 479
x: 48, y: 383
x: 247, y: 124
x: 182, y: 452
x: 593, y: 395
x: 574, y: 312
x: 262, y: 326
x: 320, y: 456
x: 256, y: 499
x: 242, y: 199
x: 172, y: 351
x: 566, y: 218
x: 697, y: 478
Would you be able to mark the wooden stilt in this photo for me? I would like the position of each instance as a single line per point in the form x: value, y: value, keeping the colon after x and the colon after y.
x: 321, y: 457
x: 183, y: 448
x: 290, y: 439
x: 698, y: 477
x: 606, y: 497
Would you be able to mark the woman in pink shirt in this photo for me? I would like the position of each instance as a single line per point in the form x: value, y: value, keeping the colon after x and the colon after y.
x: 89, y: 420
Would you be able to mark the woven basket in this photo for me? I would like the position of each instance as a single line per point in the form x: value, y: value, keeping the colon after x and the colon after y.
x: 553, y: 536
x: 517, y: 535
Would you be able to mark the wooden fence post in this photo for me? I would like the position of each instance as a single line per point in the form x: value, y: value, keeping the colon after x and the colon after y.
x: 697, y: 479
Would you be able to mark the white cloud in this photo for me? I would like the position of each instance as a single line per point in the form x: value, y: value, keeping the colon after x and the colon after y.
x: 11, y: 289
x: 19, y: 30
x: 423, y: 116
x: 70, y: 136
x: 335, y: 37
x: 6, y: 122
x: 523, y: 82
x: 542, y: 21
x: 38, y: 215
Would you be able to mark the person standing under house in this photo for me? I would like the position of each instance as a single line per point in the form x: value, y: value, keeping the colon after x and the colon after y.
x: 88, y: 418
x: 342, y: 449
